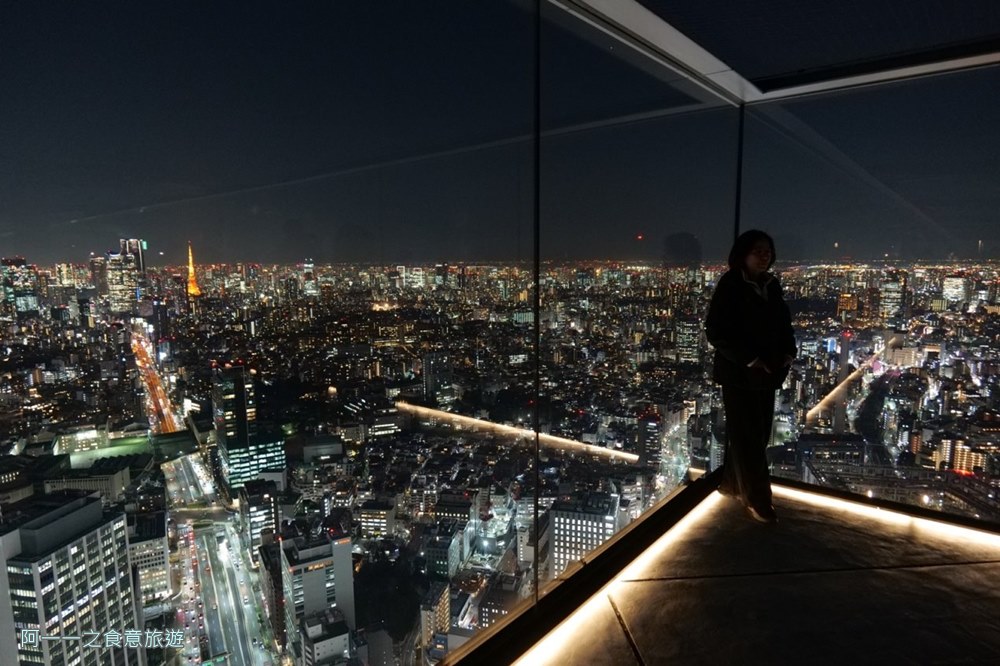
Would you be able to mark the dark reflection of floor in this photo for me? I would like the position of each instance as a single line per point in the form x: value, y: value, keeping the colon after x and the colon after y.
x: 820, y: 587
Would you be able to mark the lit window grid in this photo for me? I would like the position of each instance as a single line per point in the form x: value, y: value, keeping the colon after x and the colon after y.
x: 243, y: 464
x: 90, y: 590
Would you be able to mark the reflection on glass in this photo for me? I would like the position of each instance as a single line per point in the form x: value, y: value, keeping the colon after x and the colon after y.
x: 291, y: 261
x: 270, y: 291
x: 636, y: 221
x: 893, y: 285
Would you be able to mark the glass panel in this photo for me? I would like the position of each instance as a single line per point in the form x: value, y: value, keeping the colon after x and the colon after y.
x: 882, y: 205
x: 783, y: 41
x: 327, y: 305
x: 637, y: 199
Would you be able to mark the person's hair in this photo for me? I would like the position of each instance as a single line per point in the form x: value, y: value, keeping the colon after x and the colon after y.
x: 745, y: 243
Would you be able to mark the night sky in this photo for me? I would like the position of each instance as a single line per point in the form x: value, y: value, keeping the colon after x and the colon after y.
x: 402, y: 132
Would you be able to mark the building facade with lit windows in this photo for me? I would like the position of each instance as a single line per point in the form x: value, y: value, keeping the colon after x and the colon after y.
x: 123, y: 282
x: 377, y: 518
x: 65, y: 572
x: 149, y: 553
x: 892, y: 295
x: 955, y: 289
x: 240, y: 464
x: 243, y: 451
x: 581, y: 525
x: 689, y: 341
x: 317, y: 574
x: 435, y: 612
x: 952, y: 452
x: 258, y: 513
x: 234, y: 406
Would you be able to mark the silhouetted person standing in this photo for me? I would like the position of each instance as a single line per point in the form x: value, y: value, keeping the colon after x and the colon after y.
x: 750, y: 327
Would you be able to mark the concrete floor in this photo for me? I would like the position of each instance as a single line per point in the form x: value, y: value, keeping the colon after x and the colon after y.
x: 829, y: 584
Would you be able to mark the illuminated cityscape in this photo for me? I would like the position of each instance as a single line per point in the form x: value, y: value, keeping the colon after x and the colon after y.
x: 386, y: 419
x: 375, y: 333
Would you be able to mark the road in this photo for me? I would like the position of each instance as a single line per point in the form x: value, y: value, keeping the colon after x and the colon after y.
x: 234, y: 607
x: 220, y: 599
x: 162, y: 416
x: 188, y: 604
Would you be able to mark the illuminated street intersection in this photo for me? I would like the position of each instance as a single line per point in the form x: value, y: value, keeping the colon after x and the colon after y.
x: 219, y: 606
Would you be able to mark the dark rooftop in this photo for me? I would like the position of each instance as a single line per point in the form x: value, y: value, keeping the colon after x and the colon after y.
x: 22, y: 513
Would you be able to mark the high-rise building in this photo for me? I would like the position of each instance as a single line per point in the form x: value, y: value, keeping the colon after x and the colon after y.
x: 234, y: 406
x: 847, y: 305
x: 66, y: 275
x: 243, y: 452
x: 436, y: 373
x: 317, y: 574
x: 65, y: 572
x: 649, y: 439
x: 159, y: 318
x: 149, y: 553
x: 955, y: 289
x: 843, y: 371
x: 442, y: 546
x: 689, y: 341
x: 892, y: 298
x: 123, y: 282
x: 99, y: 275
x: 441, y: 275
x: 21, y: 287
x: 310, y: 287
x: 265, y: 451
x: 136, y: 248
x: 291, y: 285
x: 258, y: 513
x: 581, y: 525
x: 415, y: 278
x: 435, y: 612
x: 272, y: 589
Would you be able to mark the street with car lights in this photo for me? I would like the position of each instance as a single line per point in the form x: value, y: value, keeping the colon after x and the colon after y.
x: 220, y: 602
x: 162, y: 417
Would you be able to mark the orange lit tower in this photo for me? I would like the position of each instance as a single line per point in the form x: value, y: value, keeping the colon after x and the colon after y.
x: 192, y: 288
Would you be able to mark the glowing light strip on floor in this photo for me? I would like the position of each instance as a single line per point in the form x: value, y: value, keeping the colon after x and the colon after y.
x: 925, y: 526
x: 549, y: 441
x: 551, y: 648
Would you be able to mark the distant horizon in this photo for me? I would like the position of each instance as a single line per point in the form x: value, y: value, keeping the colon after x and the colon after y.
x: 641, y: 261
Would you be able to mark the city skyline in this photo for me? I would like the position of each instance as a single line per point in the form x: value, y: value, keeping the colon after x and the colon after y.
x: 378, y: 333
x: 669, y: 259
x: 312, y: 454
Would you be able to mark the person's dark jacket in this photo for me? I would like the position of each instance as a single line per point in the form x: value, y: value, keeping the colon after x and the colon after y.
x: 743, y: 326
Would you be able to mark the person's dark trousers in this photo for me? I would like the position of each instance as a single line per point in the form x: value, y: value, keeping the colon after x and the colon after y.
x: 749, y: 415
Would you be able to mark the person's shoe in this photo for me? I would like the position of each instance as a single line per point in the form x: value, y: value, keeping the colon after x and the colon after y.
x: 761, y: 514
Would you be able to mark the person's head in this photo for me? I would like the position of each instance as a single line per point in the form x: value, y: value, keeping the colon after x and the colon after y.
x: 753, y: 252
